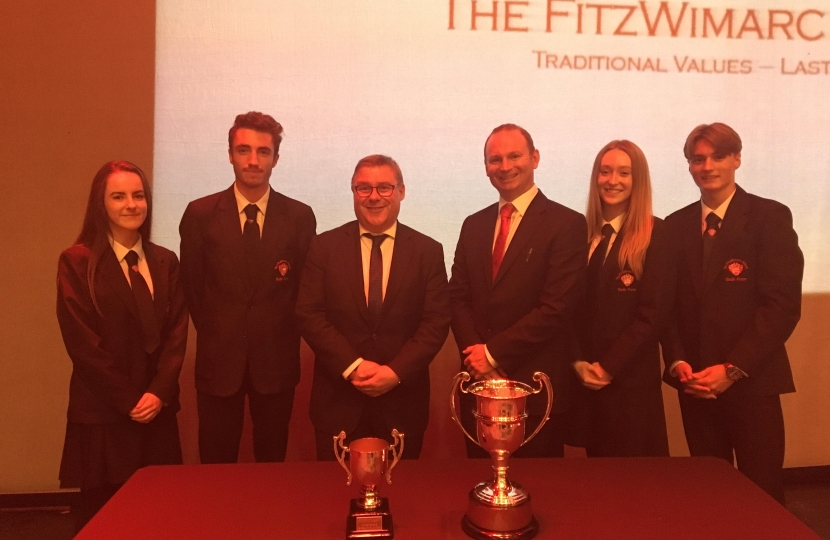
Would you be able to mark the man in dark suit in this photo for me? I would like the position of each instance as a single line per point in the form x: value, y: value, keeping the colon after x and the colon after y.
x: 738, y: 299
x: 519, y: 272
x: 242, y: 251
x: 373, y: 307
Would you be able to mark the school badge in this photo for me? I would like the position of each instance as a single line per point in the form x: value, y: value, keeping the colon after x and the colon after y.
x: 736, y: 267
x: 627, y: 279
x: 282, y: 269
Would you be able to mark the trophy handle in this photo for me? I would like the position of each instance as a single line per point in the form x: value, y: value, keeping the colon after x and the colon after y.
x: 341, y: 457
x: 396, y: 453
x: 543, y: 381
x: 458, y: 384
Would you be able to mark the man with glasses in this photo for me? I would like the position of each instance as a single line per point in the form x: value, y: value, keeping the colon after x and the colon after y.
x: 373, y: 306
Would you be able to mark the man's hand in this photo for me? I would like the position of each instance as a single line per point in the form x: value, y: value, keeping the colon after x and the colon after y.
x: 477, y: 364
x: 146, y: 409
x: 683, y: 371
x: 381, y: 381
x: 364, y: 370
x: 691, y: 386
x: 713, y: 379
x: 593, y: 375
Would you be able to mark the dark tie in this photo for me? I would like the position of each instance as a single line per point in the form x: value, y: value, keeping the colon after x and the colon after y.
x: 501, y: 240
x: 709, y: 235
x: 375, y: 300
x: 598, y: 256
x: 144, y: 303
x: 250, y: 235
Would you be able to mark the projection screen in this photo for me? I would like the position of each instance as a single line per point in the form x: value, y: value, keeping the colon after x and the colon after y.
x: 425, y: 81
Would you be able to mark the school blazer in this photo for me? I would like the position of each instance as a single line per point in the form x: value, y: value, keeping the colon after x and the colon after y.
x: 243, y: 322
x: 742, y: 307
x: 110, y: 370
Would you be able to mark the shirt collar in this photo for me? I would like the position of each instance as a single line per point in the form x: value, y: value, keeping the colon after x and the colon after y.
x: 521, y: 202
x: 617, y: 222
x: 720, y: 211
x: 121, y: 251
x: 242, y: 202
x: 390, y: 232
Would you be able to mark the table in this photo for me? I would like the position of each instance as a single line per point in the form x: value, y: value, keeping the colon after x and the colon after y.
x: 700, y: 498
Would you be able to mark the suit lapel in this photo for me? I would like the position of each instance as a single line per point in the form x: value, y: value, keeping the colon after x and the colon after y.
x: 401, y: 259
x: 484, y: 240
x: 158, y: 273
x: 693, y: 246
x: 276, y: 220
x: 734, y: 222
x: 231, y: 230
x: 112, y: 272
x: 527, y: 227
x: 354, y: 269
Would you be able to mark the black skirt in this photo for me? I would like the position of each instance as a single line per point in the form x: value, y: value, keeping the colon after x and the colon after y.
x: 99, y: 455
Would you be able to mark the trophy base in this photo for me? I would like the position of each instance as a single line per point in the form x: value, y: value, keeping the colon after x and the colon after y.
x: 375, y: 523
x: 485, y: 522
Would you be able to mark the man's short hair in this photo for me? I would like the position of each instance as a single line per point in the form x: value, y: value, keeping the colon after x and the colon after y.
x: 257, y: 121
x: 511, y: 127
x: 379, y: 160
x: 723, y: 139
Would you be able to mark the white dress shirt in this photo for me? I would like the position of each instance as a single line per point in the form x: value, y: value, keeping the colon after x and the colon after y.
x: 242, y: 202
x: 720, y: 211
x: 617, y: 224
x: 520, y: 204
x: 143, y: 269
x: 387, y: 248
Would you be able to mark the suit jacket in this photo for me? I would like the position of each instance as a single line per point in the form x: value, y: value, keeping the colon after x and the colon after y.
x: 242, y: 321
x: 621, y: 331
x: 742, y: 307
x: 335, y: 320
x: 523, y: 315
x: 110, y: 370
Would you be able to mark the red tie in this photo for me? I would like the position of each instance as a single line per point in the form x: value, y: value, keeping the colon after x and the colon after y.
x: 501, y: 240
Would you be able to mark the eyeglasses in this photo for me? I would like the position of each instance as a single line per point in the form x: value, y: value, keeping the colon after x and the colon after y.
x: 384, y: 190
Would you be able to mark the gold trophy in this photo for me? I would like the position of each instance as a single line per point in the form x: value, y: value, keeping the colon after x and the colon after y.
x: 500, y: 509
x: 369, y: 515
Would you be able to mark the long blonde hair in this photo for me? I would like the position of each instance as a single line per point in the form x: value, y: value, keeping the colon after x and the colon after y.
x: 640, y: 220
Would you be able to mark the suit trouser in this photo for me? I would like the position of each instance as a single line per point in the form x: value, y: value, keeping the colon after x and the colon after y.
x: 750, y: 426
x: 372, y: 424
x: 221, y: 419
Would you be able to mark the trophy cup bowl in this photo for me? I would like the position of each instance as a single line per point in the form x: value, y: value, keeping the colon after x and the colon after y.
x: 369, y: 464
x: 500, y: 509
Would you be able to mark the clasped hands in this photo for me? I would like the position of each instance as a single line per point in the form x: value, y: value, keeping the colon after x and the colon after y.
x: 593, y: 376
x: 707, y: 383
x: 373, y: 379
x: 478, y: 366
x: 146, y: 409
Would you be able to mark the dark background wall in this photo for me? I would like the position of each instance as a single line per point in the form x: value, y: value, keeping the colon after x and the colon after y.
x: 76, y: 90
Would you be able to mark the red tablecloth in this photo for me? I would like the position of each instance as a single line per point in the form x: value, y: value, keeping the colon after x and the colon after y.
x: 672, y: 498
